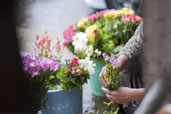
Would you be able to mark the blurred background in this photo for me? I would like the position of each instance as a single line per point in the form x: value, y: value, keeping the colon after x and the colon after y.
x: 53, y: 16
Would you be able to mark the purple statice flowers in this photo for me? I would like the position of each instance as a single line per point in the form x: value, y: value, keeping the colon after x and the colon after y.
x: 111, y: 59
x: 33, y: 64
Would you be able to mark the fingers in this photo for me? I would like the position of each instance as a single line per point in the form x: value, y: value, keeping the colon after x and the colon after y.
x: 106, y: 91
x: 113, y: 96
x: 113, y: 93
x: 102, y: 75
x: 101, y: 78
x: 114, y: 99
x: 110, y: 97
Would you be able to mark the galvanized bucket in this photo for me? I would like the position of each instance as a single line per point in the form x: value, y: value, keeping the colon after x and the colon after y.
x: 63, y: 102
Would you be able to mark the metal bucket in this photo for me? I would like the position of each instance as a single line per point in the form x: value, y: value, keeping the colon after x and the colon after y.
x: 63, y: 102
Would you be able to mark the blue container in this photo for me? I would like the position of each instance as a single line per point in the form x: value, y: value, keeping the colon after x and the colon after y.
x: 64, y: 102
x: 94, y: 79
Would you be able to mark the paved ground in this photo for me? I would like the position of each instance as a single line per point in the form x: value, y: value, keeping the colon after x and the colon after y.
x: 53, y: 16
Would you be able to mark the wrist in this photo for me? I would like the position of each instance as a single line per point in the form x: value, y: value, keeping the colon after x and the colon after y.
x: 138, y: 94
x: 123, y: 62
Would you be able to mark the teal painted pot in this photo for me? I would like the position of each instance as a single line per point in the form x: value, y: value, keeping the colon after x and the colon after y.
x: 94, y: 79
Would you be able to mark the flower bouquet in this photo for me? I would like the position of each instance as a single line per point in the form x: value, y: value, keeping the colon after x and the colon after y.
x: 39, y: 71
x: 106, y: 31
x: 75, y: 73
x: 112, y: 79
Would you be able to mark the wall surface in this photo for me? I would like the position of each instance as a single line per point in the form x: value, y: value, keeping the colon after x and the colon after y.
x: 157, y: 46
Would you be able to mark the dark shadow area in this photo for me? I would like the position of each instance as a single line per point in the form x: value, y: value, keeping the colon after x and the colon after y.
x: 15, y: 93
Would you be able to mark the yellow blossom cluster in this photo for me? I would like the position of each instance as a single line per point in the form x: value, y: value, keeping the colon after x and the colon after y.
x: 90, y: 32
x: 82, y: 23
x: 118, y: 13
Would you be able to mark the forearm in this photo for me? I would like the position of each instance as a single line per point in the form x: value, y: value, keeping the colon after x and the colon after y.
x: 123, y: 62
x: 138, y: 94
x: 134, y: 46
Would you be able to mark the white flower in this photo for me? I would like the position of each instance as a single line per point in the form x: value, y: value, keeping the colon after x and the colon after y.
x: 80, y: 41
x: 89, y: 51
x: 87, y: 64
x: 98, y: 52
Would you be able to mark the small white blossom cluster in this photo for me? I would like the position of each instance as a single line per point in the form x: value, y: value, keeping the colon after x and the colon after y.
x: 87, y: 64
x: 89, y: 51
x: 80, y: 43
x: 97, y: 52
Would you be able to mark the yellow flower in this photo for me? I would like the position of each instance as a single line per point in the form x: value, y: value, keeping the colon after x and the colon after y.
x: 91, y: 37
x: 90, y: 32
x: 110, y: 14
x: 82, y: 23
x: 114, y: 14
x: 127, y: 11
x: 119, y: 13
x: 78, y: 70
x: 91, y: 28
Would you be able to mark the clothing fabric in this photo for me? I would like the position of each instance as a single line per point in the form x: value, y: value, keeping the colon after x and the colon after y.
x: 133, y: 47
x: 133, y: 75
x: 132, y: 79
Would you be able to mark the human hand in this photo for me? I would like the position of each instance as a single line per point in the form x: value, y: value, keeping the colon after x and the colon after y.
x: 166, y: 109
x: 122, y: 63
x: 124, y: 94
x: 102, y: 76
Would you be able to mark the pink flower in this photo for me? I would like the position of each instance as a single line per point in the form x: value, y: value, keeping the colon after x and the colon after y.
x: 68, y: 70
x: 73, y: 72
x: 80, y: 73
x: 98, y: 15
x: 74, y: 61
x: 132, y: 18
x: 68, y: 34
x: 96, y: 32
x: 92, y: 17
x: 74, y: 69
x: 138, y: 19
x: 43, y: 44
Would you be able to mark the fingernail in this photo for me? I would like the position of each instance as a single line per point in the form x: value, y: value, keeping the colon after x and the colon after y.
x: 103, y: 88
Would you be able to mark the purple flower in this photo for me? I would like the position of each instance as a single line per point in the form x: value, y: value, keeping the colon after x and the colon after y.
x: 33, y: 65
x: 114, y: 63
x: 111, y: 59
x: 106, y: 57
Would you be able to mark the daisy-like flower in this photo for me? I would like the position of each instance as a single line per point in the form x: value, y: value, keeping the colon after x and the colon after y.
x: 87, y: 64
x: 98, y: 52
x: 89, y: 51
x: 80, y: 41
